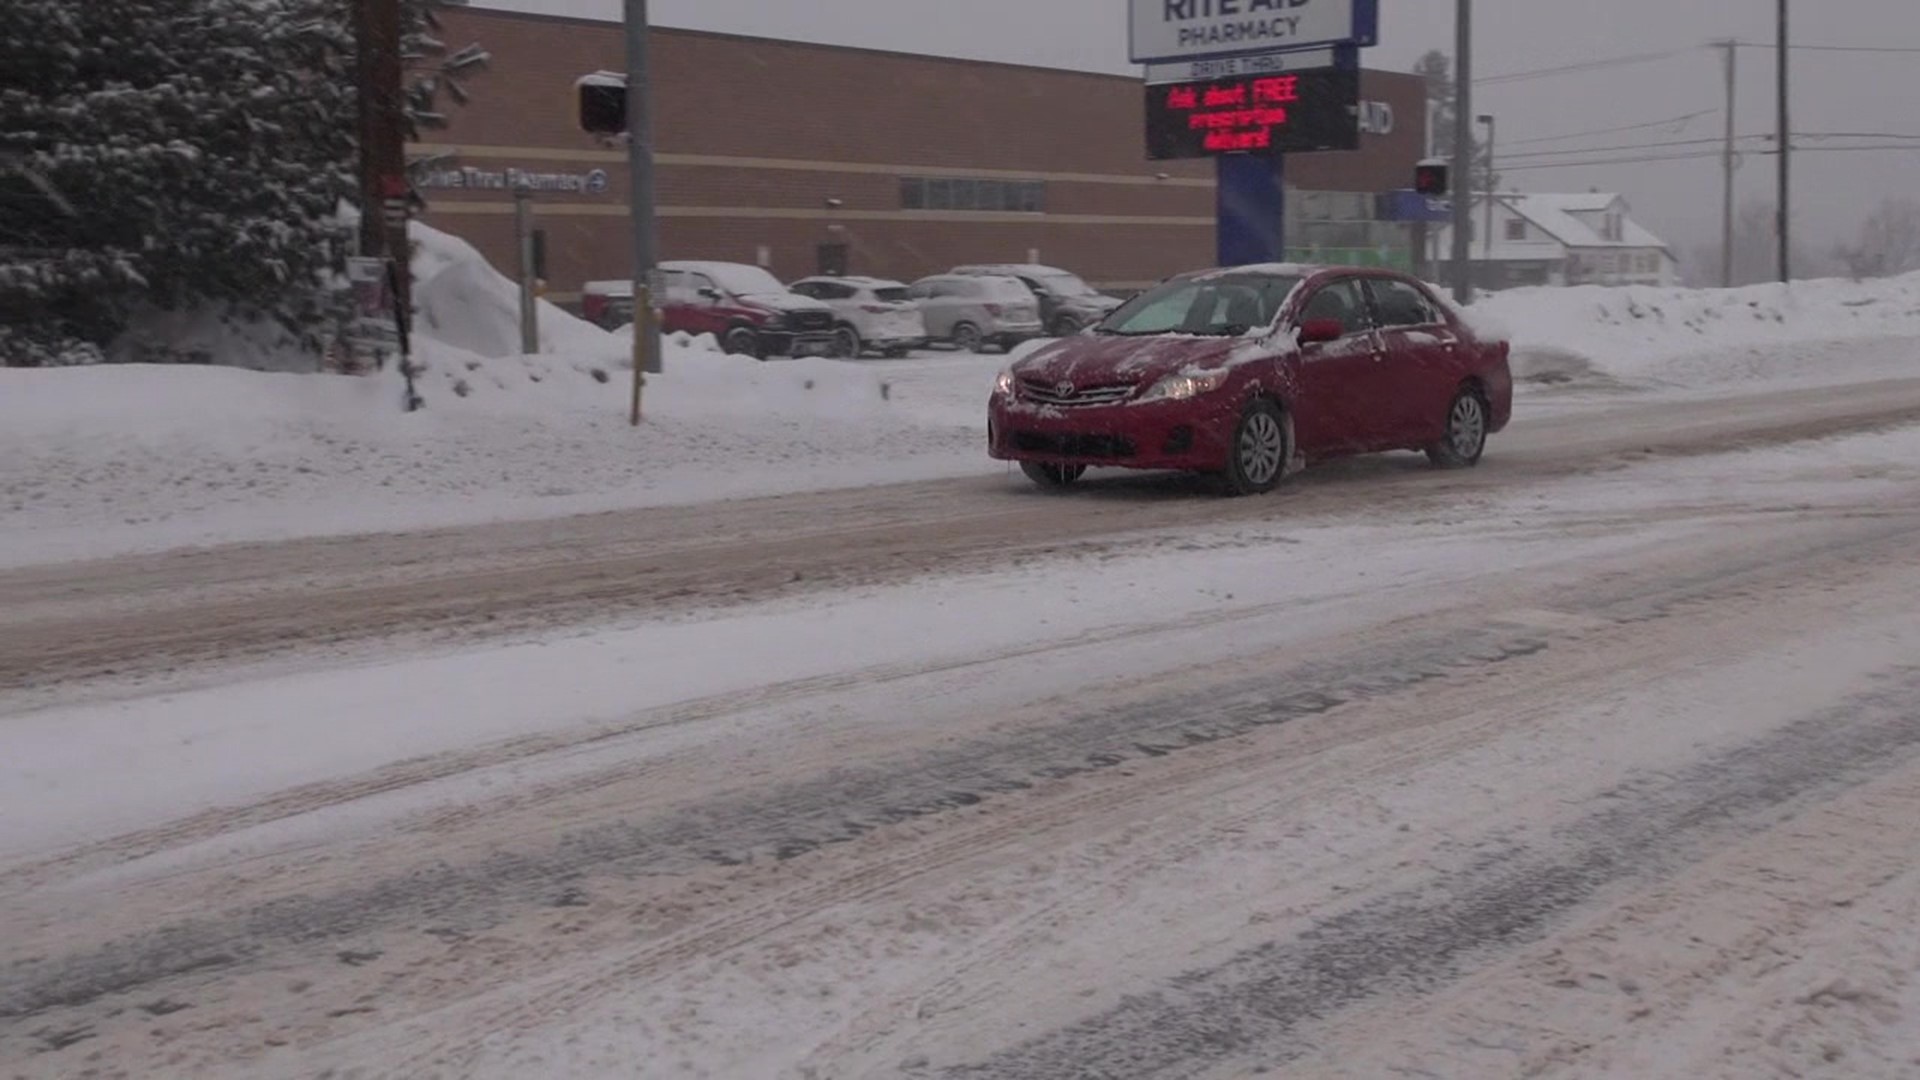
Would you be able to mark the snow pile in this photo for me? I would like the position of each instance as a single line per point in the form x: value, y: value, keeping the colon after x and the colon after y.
x: 460, y: 299
x: 1642, y: 334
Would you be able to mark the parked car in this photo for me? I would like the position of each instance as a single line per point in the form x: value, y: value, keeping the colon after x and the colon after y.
x: 973, y: 311
x: 745, y: 308
x: 607, y: 304
x: 873, y: 313
x: 1242, y: 372
x: 1067, y: 304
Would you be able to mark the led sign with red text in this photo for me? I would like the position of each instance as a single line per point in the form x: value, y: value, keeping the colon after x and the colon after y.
x: 1255, y: 114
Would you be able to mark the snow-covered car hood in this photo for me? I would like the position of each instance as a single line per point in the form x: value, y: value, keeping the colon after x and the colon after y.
x: 784, y: 301
x: 1096, y: 360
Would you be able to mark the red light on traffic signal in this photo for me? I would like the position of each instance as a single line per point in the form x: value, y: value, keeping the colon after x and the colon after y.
x: 1430, y: 179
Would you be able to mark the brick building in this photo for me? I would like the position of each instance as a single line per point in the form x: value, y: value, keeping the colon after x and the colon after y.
x: 806, y: 158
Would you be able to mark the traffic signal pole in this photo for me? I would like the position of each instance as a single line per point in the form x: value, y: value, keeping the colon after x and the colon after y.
x: 646, y: 328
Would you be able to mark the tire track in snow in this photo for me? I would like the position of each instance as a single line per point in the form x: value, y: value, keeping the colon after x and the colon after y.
x: 1257, y: 1002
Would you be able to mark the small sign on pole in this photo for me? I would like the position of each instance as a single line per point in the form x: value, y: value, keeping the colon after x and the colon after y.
x: 373, y: 335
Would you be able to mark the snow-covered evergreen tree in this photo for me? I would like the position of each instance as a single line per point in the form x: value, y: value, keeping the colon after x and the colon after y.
x: 203, y: 145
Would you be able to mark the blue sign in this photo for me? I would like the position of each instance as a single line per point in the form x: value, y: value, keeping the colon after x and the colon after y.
x: 1409, y: 205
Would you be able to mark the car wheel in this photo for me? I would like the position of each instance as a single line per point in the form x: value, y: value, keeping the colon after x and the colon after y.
x: 1262, y: 447
x: 741, y: 341
x: 846, y: 343
x: 1065, y: 326
x: 966, y: 336
x: 1466, y: 436
x: 1052, y: 476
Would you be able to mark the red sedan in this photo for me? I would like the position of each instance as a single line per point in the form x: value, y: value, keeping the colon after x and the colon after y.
x: 1242, y: 372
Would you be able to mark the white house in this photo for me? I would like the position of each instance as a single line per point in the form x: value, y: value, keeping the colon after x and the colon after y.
x: 1588, y: 239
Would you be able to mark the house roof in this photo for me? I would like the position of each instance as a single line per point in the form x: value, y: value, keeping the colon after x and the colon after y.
x: 1558, y: 215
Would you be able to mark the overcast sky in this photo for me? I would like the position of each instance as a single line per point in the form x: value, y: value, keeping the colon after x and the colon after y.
x: 1834, y: 91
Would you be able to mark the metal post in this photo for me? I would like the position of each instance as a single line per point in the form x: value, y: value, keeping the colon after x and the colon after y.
x: 1463, y: 152
x: 1488, y: 120
x: 382, y: 123
x: 646, y: 328
x: 523, y: 245
x: 1786, y: 158
x: 1728, y: 163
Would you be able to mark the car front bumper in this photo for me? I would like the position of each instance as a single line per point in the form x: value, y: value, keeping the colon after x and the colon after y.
x: 1192, y: 435
x: 789, y: 343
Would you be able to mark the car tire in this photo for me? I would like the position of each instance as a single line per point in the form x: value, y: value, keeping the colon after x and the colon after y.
x: 1261, y: 449
x: 967, y: 338
x: 1466, y: 432
x: 741, y: 341
x: 1052, y: 476
x: 846, y: 343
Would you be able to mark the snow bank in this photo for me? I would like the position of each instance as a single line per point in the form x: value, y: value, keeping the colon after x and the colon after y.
x: 460, y: 299
x: 1691, y: 336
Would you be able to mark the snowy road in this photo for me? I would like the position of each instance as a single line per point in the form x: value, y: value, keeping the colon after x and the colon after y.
x: 1603, y: 760
x: 144, y: 616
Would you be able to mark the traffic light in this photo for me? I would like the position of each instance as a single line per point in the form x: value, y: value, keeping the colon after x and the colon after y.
x: 603, y: 103
x: 1430, y: 178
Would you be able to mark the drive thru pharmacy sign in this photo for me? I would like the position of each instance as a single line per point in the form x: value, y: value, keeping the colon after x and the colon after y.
x: 1165, y: 31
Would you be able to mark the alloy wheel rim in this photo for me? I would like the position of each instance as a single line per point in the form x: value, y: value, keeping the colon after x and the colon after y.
x: 1469, y: 426
x: 1262, y: 444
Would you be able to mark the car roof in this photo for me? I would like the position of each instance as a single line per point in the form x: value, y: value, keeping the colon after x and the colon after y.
x: 699, y: 266
x: 973, y: 277
x: 863, y: 282
x: 1010, y: 270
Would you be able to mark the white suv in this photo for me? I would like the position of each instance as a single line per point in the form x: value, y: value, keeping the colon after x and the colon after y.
x: 873, y: 313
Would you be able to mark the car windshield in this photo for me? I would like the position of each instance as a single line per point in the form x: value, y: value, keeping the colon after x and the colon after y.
x: 892, y: 294
x: 1067, y: 285
x: 1223, y: 305
x: 743, y: 280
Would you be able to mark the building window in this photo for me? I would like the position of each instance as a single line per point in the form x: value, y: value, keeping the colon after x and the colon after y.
x: 1516, y: 229
x: 977, y: 196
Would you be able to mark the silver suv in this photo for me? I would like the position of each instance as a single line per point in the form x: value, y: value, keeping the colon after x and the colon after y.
x: 1067, y: 303
x: 974, y: 311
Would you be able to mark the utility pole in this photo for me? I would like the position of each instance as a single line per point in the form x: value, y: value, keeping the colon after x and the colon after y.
x: 1463, y: 151
x: 1786, y: 157
x: 523, y: 246
x: 382, y: 130
x: 646, y: 327
x: 1487, y: 119
x: 1728, y: 163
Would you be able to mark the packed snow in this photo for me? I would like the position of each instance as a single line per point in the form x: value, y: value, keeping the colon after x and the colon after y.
x: 102, y: 461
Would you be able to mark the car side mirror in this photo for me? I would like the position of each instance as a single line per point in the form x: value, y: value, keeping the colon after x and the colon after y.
x: 1317, y: 331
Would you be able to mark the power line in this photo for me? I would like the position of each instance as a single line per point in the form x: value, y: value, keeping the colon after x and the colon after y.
x: 1697, y: 155
x: 1631, y: 146
x: 1585, y: 65
x: 1831, y: 48
x: 1681, y: 120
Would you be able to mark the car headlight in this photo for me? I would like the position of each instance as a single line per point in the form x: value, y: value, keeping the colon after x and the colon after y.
x: 775, y: 321
x: 1004, y: 385
x: 1183, y: 387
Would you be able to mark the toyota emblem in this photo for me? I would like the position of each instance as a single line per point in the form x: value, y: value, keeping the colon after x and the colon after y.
x: 1065, y: 389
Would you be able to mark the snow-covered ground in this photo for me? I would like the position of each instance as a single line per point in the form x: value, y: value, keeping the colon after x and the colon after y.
x: 96, y: 462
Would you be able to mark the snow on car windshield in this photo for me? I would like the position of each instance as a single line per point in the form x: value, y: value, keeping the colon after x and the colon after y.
x: 1214, y: 306
x: 744, y: 280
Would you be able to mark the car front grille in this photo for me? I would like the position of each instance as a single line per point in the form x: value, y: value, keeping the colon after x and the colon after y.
x: 1112, y: 447
x: 1069, y: 397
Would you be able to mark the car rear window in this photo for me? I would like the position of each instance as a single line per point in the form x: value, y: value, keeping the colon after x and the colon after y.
x: 1006, y: 289
x: 891, y: 295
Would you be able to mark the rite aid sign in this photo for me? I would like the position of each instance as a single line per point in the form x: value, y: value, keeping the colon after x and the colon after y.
x: 1168, y: 31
